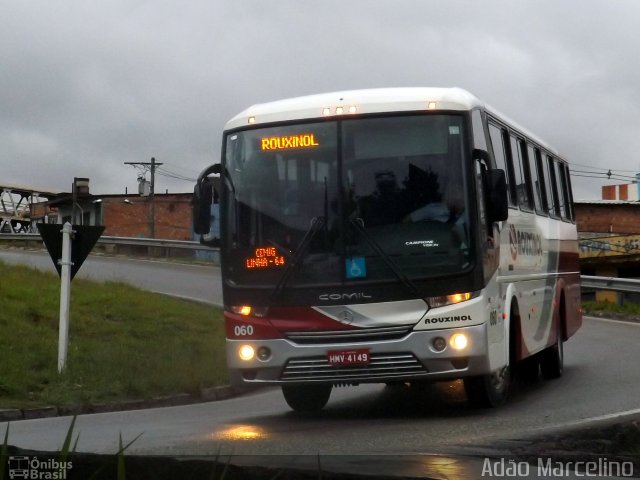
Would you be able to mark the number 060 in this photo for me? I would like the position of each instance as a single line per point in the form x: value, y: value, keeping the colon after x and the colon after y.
x: 242, y: 330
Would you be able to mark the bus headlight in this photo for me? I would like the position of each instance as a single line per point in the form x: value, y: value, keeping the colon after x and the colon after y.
x: 246, y: 353
x: 458, y: 341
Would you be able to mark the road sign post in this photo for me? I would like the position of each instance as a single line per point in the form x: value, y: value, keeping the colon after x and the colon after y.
x: 68, y: 251
x: 65, y: 296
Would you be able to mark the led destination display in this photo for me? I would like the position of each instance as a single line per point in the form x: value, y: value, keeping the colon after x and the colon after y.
x: 264, y: 257
x: 303, y: 140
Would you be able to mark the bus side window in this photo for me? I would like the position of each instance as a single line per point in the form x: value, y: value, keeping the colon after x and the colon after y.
x: 517, y: 161
x: 565, y: 209
x: 534, y: 180
x: 545, y: 192
x: 498, y: 141
x: 553, y: 182
x: 572, y: 213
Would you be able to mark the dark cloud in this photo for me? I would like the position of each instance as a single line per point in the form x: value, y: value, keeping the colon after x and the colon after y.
x: 89, y: 86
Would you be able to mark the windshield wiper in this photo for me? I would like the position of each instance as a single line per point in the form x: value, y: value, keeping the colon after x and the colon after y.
x: 316, y: 224
x: 358, y: 223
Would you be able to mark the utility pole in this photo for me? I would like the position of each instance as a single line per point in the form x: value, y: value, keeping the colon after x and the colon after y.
x: 152, y: 208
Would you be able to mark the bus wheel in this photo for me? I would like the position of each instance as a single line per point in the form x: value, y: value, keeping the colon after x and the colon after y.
x: 552, y: 358
x: 528, y: 370
x: 488, y: 390
x: 307, y: 398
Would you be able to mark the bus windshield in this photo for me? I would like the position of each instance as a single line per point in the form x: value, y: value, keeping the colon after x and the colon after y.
x: 347, y: 201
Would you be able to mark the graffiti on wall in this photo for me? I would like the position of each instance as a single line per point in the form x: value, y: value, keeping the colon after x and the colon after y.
x: 610, y: 246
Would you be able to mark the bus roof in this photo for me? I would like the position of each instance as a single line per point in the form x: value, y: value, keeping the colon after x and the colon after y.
x: 368, y: 101
x: 365, y: 101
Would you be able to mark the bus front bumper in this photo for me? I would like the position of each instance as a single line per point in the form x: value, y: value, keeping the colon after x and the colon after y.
x: 420, y: 355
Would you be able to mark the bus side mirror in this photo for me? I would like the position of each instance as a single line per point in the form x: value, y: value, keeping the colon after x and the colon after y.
x: 201, y: 203
x: 496, y: 195
x: 483, y: 155
x: 202, y: 200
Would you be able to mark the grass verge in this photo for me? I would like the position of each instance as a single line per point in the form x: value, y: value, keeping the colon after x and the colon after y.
x: 629, y: 311
x: 124, y: 343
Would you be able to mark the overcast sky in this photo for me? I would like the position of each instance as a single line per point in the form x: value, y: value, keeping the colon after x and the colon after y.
x: 86, y: 86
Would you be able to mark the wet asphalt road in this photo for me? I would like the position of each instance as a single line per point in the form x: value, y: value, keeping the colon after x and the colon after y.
x: 600, y: 383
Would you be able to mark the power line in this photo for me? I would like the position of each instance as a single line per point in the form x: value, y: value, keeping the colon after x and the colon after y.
x: 175, y: 166
x: 601, y: 168
x: 608, y: 174
x: 152, y: 211
x: 613, y: 177
x: 168, y: 173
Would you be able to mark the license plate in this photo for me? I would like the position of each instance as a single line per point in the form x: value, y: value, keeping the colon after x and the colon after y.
x: 359, y: 356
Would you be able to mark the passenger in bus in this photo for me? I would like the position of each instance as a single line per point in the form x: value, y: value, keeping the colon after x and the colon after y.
x: 385, y: 205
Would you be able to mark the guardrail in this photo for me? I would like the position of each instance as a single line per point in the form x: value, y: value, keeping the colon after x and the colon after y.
x: 152, y: 247
x: 613, y: 284
x: 155, y: 247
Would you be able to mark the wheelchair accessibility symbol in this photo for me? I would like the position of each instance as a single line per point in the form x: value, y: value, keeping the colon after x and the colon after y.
x: 356, y: 267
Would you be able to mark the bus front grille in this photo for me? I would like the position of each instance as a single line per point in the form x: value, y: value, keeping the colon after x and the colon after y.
x: 388, y: 365
x: 350, y: 336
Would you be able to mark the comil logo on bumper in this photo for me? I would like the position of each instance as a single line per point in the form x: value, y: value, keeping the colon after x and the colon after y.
x: 524, y: 243
x: 325, y: 297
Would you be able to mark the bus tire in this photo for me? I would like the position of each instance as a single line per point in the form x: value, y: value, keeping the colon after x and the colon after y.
x: 491, y: 390
x: 488, y: 390
x: 307, y: 398
x: 528, y: 370
x: 552, y: 358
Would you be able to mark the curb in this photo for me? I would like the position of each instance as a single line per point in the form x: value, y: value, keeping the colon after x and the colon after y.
x: 212, y: 394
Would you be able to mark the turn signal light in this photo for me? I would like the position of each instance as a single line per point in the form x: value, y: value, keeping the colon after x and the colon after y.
x: 458, y: 297
x: 454, y: 298
x: 246, y: 310
x: 241, y: 310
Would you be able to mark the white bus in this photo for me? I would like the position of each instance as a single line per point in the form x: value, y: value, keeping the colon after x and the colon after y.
x: 393, y: 236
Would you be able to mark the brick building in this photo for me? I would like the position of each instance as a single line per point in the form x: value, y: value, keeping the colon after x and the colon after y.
x: 134, y: 217
x: 609, y: 232
x: 166, y: 216
x: 608, y: 216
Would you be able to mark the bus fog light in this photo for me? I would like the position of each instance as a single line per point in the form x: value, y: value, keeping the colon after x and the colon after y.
x: 246, y: 353
x: 264, y: 354
x: 439, y: 344
x: 459, y: 341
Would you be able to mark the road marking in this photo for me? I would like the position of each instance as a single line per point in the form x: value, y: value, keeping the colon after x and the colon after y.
x: 599, y: 418
x: 608, y: 416
x: 610, y: 320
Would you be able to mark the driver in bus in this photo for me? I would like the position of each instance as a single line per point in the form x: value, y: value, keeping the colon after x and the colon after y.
x: 450, y: 211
